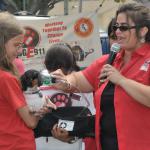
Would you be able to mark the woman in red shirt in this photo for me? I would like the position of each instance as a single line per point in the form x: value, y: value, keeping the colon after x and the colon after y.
x: 16, y: 120
x: 122, y: 89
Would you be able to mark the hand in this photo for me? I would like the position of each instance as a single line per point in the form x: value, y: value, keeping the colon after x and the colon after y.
x: 60, y: 134
x: 47, y: 107
x: 61, y: 81
x: 48, y: 104
x: 58, y: 74
x: 111, y: 74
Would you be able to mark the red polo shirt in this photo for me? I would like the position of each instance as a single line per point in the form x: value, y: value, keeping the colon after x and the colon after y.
x: 132, y: 118
x: 14, y: 134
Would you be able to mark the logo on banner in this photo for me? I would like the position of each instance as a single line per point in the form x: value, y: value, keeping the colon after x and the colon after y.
x: 31, y: 40
x: 31, y: 37
x: 83, y: 27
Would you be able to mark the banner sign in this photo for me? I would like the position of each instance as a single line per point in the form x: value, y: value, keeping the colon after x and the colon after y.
x: 80, y: 31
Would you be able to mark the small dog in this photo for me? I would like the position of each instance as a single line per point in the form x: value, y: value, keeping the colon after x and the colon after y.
x: 31, y: 80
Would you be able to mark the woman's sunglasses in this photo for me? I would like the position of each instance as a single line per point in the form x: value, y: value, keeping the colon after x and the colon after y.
x: 122, y: 28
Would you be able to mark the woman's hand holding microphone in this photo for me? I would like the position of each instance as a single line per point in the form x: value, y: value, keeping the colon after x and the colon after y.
x: 110, y: 73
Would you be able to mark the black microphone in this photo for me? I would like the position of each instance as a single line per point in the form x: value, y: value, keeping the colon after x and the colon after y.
x: 115, y: 48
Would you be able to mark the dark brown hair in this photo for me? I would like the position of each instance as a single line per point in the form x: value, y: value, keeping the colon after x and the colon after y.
x: 139, y: 14
x: 60, y: 56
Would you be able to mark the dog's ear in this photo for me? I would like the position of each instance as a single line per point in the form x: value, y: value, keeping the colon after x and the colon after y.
x: 23, y: 82
x: 40, y: 81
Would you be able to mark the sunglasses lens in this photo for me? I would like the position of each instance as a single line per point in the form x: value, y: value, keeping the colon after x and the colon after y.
x: 123, y: 28
x: 115, y: 27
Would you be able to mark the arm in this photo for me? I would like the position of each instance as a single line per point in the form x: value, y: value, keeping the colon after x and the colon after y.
x: 78, y: 80
x: 30, y: 120
x: 139, y: 91
x: 16, y: 100
x: 73, y: 82
x: 85, y: 80
x: 62, y: 135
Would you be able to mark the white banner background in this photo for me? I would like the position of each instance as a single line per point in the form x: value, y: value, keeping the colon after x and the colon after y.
x: 61, y: 29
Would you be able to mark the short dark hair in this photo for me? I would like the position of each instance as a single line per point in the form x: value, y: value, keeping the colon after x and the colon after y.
x: 60, y: 56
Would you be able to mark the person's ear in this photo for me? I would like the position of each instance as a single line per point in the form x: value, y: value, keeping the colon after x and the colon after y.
x: 143, y: 31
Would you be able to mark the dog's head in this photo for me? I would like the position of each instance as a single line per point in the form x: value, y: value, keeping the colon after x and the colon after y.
x: 28, y: 77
